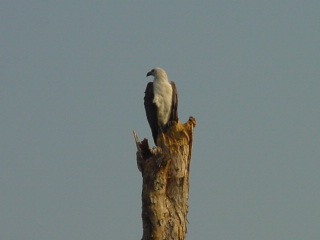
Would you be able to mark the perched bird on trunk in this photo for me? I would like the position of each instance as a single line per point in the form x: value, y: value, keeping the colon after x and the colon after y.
x: 160, y: 102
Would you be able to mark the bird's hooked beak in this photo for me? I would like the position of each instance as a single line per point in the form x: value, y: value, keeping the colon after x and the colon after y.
x: 149, y: 73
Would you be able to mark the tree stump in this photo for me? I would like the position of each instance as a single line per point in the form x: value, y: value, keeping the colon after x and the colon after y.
x: 165, y: 187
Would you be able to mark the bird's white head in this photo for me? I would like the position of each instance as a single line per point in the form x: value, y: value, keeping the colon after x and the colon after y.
x: 158, y: 73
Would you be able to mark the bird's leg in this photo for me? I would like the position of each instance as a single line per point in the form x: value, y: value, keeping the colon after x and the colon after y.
x: 160, y: 138
x: 161, y: 130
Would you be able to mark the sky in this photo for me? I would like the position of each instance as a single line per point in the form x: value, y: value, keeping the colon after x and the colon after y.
x: 73, y: 75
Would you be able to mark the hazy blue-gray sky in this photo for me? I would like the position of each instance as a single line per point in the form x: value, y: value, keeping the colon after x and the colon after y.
x: 72, y: 85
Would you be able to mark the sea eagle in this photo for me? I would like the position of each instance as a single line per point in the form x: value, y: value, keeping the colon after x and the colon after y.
x: 160, y: 102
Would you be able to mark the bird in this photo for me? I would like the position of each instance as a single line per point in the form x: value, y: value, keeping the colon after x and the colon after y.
x: 160, y: 102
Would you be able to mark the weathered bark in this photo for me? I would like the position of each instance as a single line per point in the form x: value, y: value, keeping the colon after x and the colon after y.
x: 165, y: 188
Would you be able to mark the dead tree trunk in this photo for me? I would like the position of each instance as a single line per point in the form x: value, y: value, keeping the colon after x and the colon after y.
x: 165, y: 188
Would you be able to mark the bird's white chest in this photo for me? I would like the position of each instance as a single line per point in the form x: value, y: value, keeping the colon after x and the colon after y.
x: 163, y: 99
